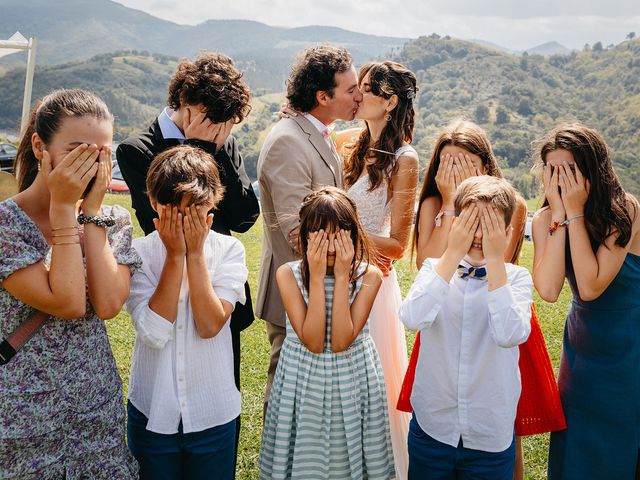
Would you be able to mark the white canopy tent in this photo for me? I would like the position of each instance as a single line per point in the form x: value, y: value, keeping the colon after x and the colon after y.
x: 18, y: 43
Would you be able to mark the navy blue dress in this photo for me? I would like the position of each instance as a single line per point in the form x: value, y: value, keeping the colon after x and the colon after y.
x: 599, y: 383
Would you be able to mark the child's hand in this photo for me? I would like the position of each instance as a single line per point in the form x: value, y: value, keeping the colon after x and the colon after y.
x: 462, y: 231
x: 93, y: 199
x: 196, y: 225
x: 494, y: 235
x: 463, y: 168
x: 169, y: 227
x: 552, y: 191
x: 446, y: 181
x: 344, y: 253
x: 317, y: 248
x: 68, y: 180
x: 574, y: 190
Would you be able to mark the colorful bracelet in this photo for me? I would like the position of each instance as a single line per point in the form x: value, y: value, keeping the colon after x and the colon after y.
x: 555, y: 225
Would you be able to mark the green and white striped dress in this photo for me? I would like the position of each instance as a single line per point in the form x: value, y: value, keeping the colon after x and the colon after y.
x: 327, y: 415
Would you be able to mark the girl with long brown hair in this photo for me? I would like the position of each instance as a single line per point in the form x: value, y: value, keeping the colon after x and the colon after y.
x: 587, y: 232
x: 64, y: 254
x: 327, y: 406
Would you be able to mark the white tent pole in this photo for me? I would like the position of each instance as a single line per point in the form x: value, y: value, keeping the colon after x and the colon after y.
x: 28, y: 84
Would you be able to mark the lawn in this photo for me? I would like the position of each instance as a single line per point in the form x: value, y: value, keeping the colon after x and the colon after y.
x: 255, y: 354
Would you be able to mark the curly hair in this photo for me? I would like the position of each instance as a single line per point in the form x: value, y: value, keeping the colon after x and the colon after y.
x: 606, y: 211
x: 315, y: 71
x: 386, y: 79
x: 213, y: 81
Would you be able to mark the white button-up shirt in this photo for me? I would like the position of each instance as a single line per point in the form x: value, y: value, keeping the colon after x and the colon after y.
x: 467, y: 382
x: 175, y: 374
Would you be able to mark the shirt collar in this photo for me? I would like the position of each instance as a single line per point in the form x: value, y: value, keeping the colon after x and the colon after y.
x: 317, y: 123
x: 168, y: 128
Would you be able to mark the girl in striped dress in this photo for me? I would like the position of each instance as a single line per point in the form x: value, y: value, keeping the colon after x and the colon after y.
x: 327, y: 414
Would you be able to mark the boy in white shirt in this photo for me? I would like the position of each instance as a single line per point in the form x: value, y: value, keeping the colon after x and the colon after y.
x: 473, y: 311
x: 183, y: 401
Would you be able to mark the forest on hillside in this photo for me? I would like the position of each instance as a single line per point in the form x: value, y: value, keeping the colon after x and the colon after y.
x: 515, y: 98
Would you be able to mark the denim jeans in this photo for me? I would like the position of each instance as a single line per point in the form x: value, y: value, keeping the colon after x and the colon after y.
x: 430, y: 459
x: 205, y: 455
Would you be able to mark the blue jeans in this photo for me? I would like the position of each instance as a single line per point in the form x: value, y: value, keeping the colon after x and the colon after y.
x: 430, y: 459
x: 206, y: 455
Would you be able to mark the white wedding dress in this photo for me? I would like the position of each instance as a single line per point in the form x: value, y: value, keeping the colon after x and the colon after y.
x: 384, y: 325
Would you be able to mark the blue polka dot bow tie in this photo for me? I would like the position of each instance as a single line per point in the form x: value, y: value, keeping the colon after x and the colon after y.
x: 479, y: 273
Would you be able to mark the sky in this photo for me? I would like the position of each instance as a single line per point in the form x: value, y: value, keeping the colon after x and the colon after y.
x: 514, y: 24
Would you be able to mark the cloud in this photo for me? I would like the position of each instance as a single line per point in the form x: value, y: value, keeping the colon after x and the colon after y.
x: 515, y: 25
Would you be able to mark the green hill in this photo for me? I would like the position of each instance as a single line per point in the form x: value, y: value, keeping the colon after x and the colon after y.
x: 515, y: 98
x: 76, y: 30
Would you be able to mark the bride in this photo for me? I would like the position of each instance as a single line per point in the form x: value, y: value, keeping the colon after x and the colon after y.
x: 381, y: 175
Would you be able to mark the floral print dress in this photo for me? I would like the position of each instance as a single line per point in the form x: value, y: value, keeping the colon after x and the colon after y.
x: 61, y: 406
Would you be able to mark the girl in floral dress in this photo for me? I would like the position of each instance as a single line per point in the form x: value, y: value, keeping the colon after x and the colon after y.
x: 61, y: 409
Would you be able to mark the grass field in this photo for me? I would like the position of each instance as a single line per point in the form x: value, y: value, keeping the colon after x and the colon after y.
x: 255, y: 354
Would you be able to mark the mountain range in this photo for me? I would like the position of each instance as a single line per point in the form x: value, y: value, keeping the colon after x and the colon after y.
x: 127, y: 57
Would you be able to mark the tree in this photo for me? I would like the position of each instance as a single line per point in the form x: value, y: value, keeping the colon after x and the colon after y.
x: 502, y: 115
x: 481, y: 114
x: 631, y: 35
x: 524, y: 107
x: 597, y: 47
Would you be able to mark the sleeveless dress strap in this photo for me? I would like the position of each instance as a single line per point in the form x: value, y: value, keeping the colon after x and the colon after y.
x: 297, y: 274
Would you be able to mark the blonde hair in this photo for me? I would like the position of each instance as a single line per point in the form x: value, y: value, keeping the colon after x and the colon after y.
x: 495, y: 191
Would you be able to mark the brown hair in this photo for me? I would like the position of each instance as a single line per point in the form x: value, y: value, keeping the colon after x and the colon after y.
x: 497, y: 192
x: 315, y: 70
x: 213, y: 81
x: 184, y: 170
x: 45, y: 119
x: 460, y: 133
x: 606, y: 210
x: 386, y: 79
x: 331, y: 208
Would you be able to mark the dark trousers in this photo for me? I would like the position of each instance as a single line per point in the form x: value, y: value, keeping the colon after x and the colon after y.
x: 430, y: 459
x: 205, y: 455
x: 241, y: 318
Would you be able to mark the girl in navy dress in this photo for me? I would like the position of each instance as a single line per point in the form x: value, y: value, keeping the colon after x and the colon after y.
x: 587, y: 231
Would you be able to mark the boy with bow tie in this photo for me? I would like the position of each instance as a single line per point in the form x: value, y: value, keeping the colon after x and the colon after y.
x: 473, y: 311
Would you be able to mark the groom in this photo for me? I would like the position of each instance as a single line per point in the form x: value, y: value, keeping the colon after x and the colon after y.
x: 297, y: 157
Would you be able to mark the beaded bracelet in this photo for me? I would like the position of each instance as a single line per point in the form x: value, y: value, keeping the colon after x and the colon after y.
x: 555, y: 225
x: 101, y: 221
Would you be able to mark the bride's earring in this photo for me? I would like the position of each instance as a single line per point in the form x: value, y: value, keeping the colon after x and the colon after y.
x: 387, y: 117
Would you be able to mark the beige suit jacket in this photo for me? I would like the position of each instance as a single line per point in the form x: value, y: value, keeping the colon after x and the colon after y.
x: 295, y: 159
